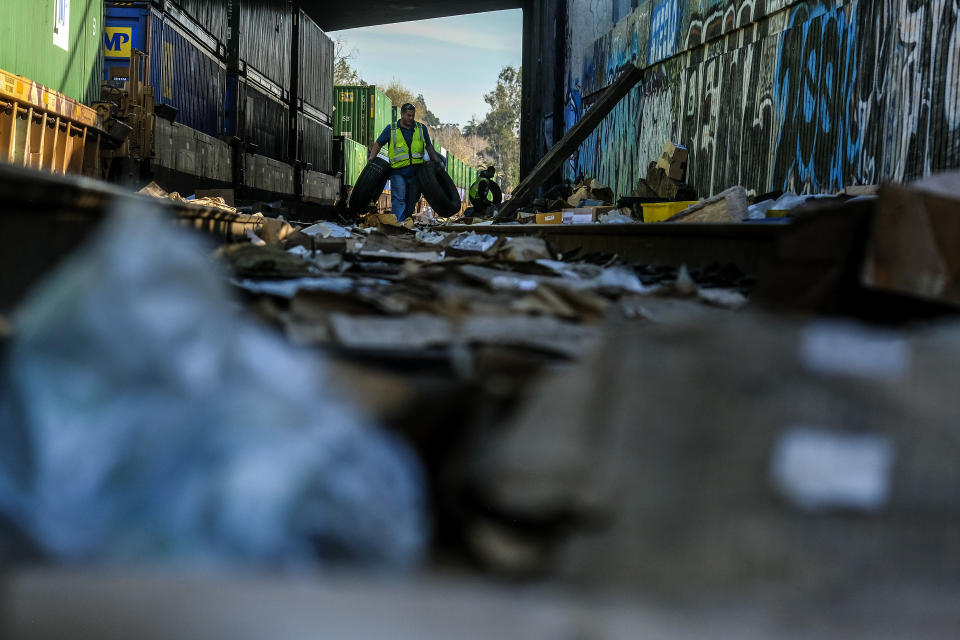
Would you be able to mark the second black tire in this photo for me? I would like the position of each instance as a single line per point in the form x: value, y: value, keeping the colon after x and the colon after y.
x: 438, y: 189
x: 370, y: 184
x: 496, y: 193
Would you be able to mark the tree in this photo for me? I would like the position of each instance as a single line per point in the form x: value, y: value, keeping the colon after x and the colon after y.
x: 428, y: 116
x: 501, y: 126
x: 343, y: 71
x: 477, y: 150
x: 400, y: 95
x: 469, y: 148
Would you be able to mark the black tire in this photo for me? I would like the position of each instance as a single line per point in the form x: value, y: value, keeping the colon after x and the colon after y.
x: 370, y: 184
x: 496, y: 193
x: 438, y: 189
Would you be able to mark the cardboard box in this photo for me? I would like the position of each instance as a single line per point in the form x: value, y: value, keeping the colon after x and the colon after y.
x: 914, y: 243
x: 673, y: 161
x: 554, y: 217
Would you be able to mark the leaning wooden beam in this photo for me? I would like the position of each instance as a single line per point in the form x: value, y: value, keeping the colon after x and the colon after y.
x: 579, y: 132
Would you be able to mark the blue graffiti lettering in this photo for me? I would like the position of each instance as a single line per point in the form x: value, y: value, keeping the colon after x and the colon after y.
x: 664, y: 27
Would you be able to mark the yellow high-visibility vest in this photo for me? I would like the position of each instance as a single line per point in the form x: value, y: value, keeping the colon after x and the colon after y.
x: 475, y: 189
x: 399, y: 154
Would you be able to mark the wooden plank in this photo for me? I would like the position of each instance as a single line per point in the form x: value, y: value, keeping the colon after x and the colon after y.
x: 579, y: 132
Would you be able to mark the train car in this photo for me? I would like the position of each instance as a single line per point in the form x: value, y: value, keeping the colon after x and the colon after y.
x: 361, y: 113
x: 55, y: 44
x: 353, y: 159
x: 184, y: 69
x: 210, y: 16
x: 312, y: 103
x: 242, y: 91
x: 315, y: 143
x: 258, y: 117
x: 259, y: 41
x: 314, y: 66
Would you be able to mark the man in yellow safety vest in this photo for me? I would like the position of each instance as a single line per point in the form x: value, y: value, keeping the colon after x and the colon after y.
x: 481, y: 195
x: 407, y: 143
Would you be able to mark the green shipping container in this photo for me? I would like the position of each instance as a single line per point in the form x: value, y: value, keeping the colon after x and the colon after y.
x: 56, y: 43
x: 360, y: 113
x: 453, y: 168
x: 354, y: 160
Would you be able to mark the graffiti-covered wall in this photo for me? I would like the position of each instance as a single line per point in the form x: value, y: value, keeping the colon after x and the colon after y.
x: 808, y: 96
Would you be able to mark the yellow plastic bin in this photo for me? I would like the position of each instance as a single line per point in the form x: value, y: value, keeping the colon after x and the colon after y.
x: 660, y: 211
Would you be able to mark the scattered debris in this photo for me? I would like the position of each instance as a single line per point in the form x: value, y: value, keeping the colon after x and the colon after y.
x: 727, y: 206
x: 663, y: 186
x: 155, y: 424
x: 912, y: 248
x: 652, y: 464
x: 225, y: 220
x: 524, y: 249
x: 673, y: 161
x: 588, y: 190
x: 327, y: 230
x: 473, y: 243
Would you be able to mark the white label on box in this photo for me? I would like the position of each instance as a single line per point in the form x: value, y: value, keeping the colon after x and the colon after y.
x: 819, y: 469
x: 836, y: 348
x: 61, y: 24
x: 580, y: 215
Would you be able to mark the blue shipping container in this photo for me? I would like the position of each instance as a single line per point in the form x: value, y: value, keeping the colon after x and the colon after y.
x: 184, y: 74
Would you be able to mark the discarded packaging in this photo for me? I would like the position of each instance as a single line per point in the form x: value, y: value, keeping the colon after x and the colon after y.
x: 555, y: 217
x: 912, y: 248
x: 153, y: 423
x: 726, y: 206
x: 673, y: 161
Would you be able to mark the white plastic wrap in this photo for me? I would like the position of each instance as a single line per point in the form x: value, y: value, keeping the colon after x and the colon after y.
x: 155, y: 421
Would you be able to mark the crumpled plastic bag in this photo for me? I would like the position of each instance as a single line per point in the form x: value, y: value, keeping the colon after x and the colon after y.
x: 153, y: 421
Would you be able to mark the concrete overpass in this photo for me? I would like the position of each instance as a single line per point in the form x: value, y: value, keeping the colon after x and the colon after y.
x: 348, y: 14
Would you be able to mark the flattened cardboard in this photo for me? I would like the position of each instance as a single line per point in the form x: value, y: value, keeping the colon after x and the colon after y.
x: 914, y: 243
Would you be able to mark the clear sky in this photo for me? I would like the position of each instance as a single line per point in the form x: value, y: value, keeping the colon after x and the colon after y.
x: 453, y: 62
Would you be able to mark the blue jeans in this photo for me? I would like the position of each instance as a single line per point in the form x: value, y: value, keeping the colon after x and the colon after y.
x: 404, y: 193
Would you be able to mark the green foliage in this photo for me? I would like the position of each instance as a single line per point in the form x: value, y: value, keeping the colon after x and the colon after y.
x: 343, y: 71
x: 400, y: 95
x: 501, y: 126
x: 428, y: 116
x: 470, y: 148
